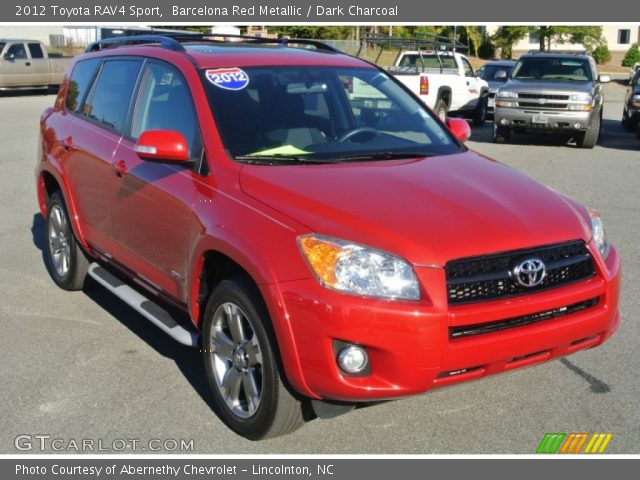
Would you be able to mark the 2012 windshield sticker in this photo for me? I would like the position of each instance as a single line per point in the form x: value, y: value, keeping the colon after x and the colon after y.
x: 228, y: 78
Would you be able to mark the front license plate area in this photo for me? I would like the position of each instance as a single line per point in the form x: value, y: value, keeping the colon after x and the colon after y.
x: 540, y: 120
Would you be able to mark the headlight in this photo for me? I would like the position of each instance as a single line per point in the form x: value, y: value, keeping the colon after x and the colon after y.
x: 493, y: 90
x: 506, y: 94
x: 581, y: 97
x: 598, y: 234
x: 357, y: 269
x: 635, y: 100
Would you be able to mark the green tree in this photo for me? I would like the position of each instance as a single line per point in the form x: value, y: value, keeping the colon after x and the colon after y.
x: 506, y: 36
x: 632, y: 56
x: 589, y: 36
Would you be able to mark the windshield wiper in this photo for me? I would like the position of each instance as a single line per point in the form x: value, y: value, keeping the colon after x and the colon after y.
x: 271, y: 159
x: 380, y: 156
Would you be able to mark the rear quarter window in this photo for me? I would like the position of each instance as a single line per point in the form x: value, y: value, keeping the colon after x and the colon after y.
x: 35, y: 49
x: 79, y: 82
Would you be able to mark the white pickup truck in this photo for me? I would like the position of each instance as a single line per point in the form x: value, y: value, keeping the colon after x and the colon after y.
x: 26, y: 64
x: 441, y: 77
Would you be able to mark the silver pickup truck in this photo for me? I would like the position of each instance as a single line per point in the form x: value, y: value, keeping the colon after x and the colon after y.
x: 26, y: 64
x: 552, y: 92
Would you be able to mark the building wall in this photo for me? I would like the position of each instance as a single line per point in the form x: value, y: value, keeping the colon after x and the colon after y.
x: 610, y: 33
x: 35, y: 33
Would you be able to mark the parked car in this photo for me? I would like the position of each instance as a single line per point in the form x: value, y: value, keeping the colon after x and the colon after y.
x: 552, y: 92
x: 631, y: 109
x: 495, y: 73
x: 26, y: 64
x: 317, y: 252
x: 438, y: 74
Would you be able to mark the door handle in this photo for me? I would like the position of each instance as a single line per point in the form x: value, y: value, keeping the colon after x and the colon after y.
x: 28, y: 64
x: 120, y: 168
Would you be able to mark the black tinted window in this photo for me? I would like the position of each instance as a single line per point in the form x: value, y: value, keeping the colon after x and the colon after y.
x: 36, y: 51
x: 112, y: 93
x: 79, y: 82
x: 164, y: 103
x: 18, y: 51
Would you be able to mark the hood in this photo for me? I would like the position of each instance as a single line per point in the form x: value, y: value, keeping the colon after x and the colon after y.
x: 495, y: 84
x: 548, y: 86
x: 427, y: 210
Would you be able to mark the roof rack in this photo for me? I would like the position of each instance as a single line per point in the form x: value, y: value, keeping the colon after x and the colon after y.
x: 421, y: 42
x: 426, y: 41
x: 162, y: 40
x: 171, y: 41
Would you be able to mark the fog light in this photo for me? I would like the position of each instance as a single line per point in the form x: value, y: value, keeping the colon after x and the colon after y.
x: 504, y: 121
x: 353, y: 359
x: 577, y: 125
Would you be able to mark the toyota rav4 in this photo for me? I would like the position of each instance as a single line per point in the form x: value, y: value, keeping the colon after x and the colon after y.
x: 319, y: 249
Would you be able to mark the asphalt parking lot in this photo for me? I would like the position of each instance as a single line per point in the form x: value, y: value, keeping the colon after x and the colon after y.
x: 84, y: 366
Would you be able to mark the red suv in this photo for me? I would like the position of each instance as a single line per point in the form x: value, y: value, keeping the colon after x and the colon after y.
x: 314, y: 244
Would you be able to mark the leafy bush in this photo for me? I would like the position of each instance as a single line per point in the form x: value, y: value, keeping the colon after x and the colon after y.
x: 601, y: 54
x: 632, y: 56
x: 487, y: 50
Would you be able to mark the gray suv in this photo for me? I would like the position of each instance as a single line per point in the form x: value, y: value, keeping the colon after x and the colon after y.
x: 553, y: 92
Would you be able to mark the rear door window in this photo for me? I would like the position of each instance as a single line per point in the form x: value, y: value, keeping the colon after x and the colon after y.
x: 35, y: 49
x: 112, y: 92
x: 79, y: 83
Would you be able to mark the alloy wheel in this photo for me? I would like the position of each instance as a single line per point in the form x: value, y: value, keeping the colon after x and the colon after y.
x: 236, y: 358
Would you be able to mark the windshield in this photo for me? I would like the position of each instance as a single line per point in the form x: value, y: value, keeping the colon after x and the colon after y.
x: 488, y: 72
x: 550, y: 68
x: 321, y: 113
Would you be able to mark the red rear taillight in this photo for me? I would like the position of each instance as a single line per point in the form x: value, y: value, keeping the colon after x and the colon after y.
x: 424, y: 85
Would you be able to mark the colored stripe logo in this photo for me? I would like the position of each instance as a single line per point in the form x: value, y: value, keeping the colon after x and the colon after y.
x: 574, y: 443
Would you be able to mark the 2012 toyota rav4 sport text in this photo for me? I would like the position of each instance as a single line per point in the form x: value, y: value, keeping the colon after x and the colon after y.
x: 320, y: 248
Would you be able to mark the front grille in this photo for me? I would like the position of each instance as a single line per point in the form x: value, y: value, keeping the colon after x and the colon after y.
x: 479, y: 329
x: 491, y: 277
x: 543, y: 106
x: 546, y: 97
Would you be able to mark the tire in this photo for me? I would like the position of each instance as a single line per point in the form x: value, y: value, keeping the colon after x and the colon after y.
x: 638, y: 132
x: 480, y: 113
x: 246, y: 358
x: 441, y: 110
x: 589, y: 138
x: 628, y: 124
x: 66, y: 262
x: 501, y: 134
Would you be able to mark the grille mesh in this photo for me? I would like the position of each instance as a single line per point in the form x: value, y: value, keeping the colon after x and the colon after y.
x: 491, y: 277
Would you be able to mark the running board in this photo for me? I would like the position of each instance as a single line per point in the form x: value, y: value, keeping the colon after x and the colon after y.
x: 144, y: 306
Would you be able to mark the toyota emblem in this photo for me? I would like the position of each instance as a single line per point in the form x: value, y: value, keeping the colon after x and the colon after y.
x: 530, y: 272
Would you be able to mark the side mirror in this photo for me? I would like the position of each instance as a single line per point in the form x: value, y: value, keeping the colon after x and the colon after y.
x: 501, y: 75
x: 162, y: 145
x: 604, y: 78
x: 9, y: 56
x: 460, y: 128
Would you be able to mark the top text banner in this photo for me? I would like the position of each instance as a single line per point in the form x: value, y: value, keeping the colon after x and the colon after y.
x: 243, y: 12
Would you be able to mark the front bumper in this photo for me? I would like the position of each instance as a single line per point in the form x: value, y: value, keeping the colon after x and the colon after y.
x: 545, y: 120
x: 408, y: 342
